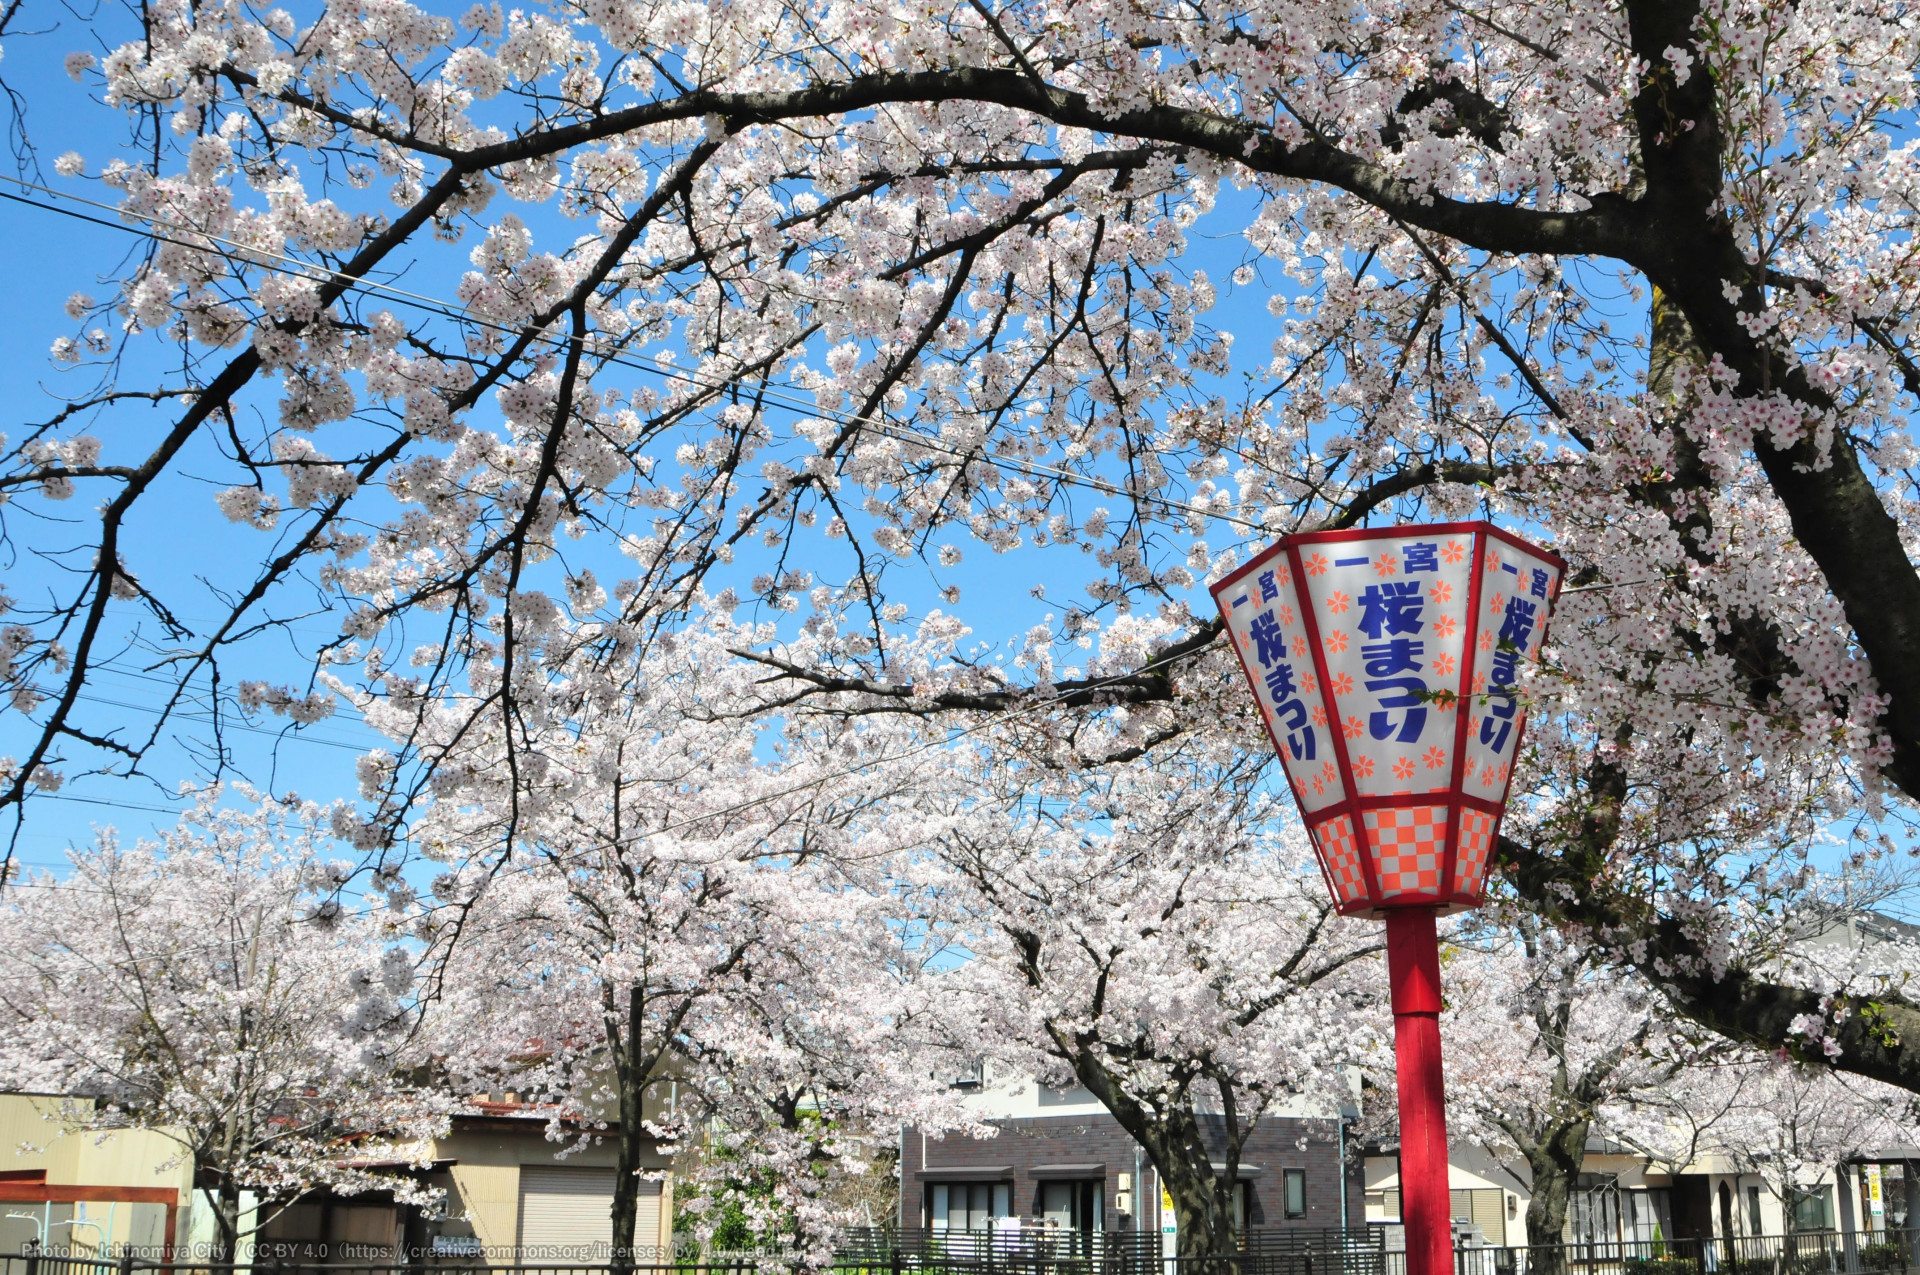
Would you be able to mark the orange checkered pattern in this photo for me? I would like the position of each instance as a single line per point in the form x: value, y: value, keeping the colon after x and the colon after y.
x: 1476, y: 846
x: 1407, y: 843
x: 1341, y: 853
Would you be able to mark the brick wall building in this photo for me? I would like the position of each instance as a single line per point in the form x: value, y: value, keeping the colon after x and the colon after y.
x: 1059, y: 1158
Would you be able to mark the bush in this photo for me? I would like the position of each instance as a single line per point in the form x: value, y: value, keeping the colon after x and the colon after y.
x: 1660, y: 1266
x: 1882, y: 1257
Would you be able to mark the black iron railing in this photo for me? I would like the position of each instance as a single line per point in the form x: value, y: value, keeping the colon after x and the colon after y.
x: 1802, y: 1253
x: 1028, y: 1250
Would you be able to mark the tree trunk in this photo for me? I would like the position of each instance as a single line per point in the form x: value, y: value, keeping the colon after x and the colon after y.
x: 1555, y: 1163
x: 224, y: 1196
x: 1204, y: 1219
x: 631, y: 1079
x: 1174, y: 1142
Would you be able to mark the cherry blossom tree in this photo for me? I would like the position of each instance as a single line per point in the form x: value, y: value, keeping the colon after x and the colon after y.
x: 1158, y: 935
x: 636, y: 900
x: 211, y: 987
x: 1545, y: 1043
x: 793, y: 300
x: 1783, y: 1121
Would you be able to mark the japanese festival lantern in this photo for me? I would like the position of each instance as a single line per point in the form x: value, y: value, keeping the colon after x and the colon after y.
x: 1386, y: 665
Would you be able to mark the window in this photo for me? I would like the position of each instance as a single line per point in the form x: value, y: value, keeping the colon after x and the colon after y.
x: 969, y: 1206
x: 1073, y: 1206
x: 1753, y: 1212
x: 1601, y: 1211
x: 1293, y: 1185
x: 1813, y: 1209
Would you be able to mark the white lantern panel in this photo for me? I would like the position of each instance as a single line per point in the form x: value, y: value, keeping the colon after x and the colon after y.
x: 1389, y: 615
x: 1516, y: 598
x: 1262, y: 612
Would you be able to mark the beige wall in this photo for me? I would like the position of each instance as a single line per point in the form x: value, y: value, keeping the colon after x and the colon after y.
x: 32, y: 1137
x: 483, y: 1183
x: 36, y: 1134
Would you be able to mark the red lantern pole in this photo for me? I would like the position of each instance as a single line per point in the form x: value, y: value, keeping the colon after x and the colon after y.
x: 1413, y: 971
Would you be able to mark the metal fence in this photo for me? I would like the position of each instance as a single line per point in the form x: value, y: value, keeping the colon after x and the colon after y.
x: 63, y: 1264
x: 1802, y: 1253
x: 1037, y: 1251
x: 1028, y: 1250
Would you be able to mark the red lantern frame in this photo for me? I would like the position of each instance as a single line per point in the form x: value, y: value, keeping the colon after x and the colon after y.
x: 1347, y: 818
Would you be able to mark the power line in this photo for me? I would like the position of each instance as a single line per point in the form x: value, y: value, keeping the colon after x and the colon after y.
x: 446, y: 309
x: 208, y: 717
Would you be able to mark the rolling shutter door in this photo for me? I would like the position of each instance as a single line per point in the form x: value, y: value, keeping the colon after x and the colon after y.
x: 646, y: 1222
x: 1484, y: 1207
x: 566, y: 1214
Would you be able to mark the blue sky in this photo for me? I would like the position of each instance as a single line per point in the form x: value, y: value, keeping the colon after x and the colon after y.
x: 178, y: 541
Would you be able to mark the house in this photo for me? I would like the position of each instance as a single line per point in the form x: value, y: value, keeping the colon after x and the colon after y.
x: 507, y: 1199
x: 1622, y: 1199
x: 90, y: 1192
x: 1060, y: 1160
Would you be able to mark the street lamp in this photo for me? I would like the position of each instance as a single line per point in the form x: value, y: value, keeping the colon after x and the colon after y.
x: 1386, y: 664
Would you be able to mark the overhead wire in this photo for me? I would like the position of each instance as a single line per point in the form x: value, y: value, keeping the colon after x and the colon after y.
x: 266, y: 258
x: 946, y: 741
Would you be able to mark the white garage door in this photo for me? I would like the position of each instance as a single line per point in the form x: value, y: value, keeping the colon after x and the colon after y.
x: 566, y: 1214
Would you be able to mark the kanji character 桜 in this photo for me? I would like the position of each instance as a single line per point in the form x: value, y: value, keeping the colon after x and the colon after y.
x: 1392, y: 607
x: 1517, y: 626
x: 1269, y: 643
